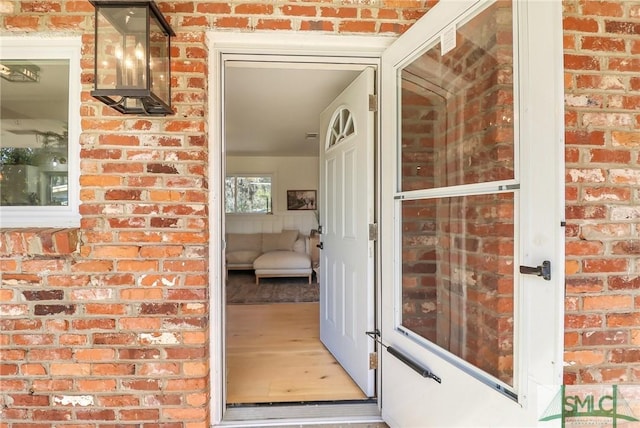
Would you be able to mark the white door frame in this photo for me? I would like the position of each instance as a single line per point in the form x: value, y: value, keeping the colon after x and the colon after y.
x: 285, y: 46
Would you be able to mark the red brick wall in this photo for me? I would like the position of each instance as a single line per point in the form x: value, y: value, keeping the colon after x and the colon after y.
x: 602, y: 104
x: 122, y: 322
x: 113, y: 330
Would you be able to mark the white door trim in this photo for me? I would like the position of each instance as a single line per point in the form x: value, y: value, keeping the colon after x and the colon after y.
x: 290, y: 47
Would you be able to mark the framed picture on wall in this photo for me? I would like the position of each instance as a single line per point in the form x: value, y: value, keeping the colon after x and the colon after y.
x: 301, y: 199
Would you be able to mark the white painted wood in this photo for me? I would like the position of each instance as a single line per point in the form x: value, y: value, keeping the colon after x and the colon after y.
x: 216, y: 173
x: 294, y: 47
x: 288, y: 45
x: 408, y: 400
x: 346, y: 260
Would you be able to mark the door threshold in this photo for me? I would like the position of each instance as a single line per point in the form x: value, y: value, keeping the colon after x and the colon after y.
x: 311, y: 413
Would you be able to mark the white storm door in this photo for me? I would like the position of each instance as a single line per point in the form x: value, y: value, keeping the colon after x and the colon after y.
x: 346, y: 209
x: 471, y: 205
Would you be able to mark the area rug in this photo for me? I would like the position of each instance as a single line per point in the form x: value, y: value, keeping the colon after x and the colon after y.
x: 242, y: 289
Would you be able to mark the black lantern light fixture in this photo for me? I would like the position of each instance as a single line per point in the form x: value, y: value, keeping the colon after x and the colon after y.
x: 132, y: 57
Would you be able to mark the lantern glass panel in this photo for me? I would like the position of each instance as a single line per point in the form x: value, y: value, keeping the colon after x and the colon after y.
x: 121, y: 46
x: 159, y: 60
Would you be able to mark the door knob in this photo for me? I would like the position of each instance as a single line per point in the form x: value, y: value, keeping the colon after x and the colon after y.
x: 544, y: 270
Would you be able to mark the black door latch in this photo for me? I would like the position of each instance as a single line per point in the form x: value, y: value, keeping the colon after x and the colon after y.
x: 544, y: 271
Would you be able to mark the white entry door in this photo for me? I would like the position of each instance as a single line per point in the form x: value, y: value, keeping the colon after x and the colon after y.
x: 471, y: 216
x: 346, y: 209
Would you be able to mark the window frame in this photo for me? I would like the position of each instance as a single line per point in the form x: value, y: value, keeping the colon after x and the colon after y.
x: 252, y: 175
x: 44, y: 48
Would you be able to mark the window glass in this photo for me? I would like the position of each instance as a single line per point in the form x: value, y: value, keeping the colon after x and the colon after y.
x: 248, y: 194
x: 342, y: 127
x: 457, y: 107
x: 456, y: 212
x: 34, y: 148
x: 457, y: 277
x: 40, y: 87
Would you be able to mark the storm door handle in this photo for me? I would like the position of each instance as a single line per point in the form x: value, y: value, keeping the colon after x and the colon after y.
x: 544, y: 270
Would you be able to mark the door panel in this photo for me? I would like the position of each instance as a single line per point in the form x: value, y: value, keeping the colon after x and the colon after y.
x: 346, y: 200
x: 459, y: 211
x: 329, y: 296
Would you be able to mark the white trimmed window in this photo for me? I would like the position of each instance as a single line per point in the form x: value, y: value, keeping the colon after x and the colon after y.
x: 39, y: 131
x: 248, y: 194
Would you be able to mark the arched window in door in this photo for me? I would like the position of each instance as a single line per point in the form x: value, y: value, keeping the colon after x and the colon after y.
x: 342, y: 126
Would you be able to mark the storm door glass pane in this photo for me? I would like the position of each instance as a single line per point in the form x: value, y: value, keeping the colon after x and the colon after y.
x: 457, y: 277
x: 457, y: 108
x: 457, y: 196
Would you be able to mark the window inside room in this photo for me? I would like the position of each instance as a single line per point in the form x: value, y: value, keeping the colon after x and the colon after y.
x: 247, y: 194
x: 39, y: 99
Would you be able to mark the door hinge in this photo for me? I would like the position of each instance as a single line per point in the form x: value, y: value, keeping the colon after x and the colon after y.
x: 373, y: 231
x: 373, y: 103
x: 373, y: 361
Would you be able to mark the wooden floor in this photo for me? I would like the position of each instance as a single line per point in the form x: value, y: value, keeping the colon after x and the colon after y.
x: 274, y: 354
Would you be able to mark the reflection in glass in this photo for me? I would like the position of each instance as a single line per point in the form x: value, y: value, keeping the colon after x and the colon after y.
x: 457, y: 108
x: 457, y: 277
x: 457, y: 246
x: 34, y: 144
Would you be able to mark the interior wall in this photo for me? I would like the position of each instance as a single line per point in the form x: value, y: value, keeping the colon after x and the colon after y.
x: 289, y: 173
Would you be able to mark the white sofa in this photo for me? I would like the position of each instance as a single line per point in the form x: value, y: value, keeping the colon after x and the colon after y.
x: 282, y: 254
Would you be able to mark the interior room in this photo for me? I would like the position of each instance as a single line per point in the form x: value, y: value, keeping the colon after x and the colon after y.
x: 273, y: 350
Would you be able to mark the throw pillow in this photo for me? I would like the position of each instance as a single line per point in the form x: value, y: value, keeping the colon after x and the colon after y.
x: 282, y: 241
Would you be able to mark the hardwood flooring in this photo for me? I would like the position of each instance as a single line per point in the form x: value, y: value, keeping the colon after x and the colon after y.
x: 274, y: 354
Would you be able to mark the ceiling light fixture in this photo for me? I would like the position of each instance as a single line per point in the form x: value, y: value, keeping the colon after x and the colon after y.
x: 20, y: 73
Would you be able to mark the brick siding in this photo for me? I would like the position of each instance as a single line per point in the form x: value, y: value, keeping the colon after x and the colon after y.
x: 114, y: 331
x: 602, y: 119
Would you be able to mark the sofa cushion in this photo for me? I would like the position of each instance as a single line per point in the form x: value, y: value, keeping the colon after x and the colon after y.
x: 242, y: 256
x: 244, y: 241
x: 274, y: 260
x: 300, y: 246
x: 279, y: 241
